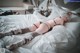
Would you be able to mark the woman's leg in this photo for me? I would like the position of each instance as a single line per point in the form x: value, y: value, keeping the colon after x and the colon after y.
x: 43, y: 28
x: 26, y: 30
x: 20, y: 31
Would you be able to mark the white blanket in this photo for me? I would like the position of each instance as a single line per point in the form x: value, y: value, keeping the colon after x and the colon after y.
x: 61, y: 39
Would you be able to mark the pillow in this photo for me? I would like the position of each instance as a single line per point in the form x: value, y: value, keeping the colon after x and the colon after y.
x: 75, y: 20
x: 74, y: 27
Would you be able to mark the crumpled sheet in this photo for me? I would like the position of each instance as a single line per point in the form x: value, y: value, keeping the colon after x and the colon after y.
x: 59, y: 40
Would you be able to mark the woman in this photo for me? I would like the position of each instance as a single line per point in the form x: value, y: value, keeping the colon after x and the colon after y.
x: 36, y: 29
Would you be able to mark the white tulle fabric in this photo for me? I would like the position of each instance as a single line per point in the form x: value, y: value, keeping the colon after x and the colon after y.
x: 60, y: 40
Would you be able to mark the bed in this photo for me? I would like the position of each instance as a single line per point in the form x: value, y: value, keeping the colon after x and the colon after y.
x: 61, y: 39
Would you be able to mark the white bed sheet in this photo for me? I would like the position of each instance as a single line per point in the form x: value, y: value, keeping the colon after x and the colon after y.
x: 59, y: 40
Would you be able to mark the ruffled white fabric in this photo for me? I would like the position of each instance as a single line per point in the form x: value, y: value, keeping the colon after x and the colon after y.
x: 61, y: 39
